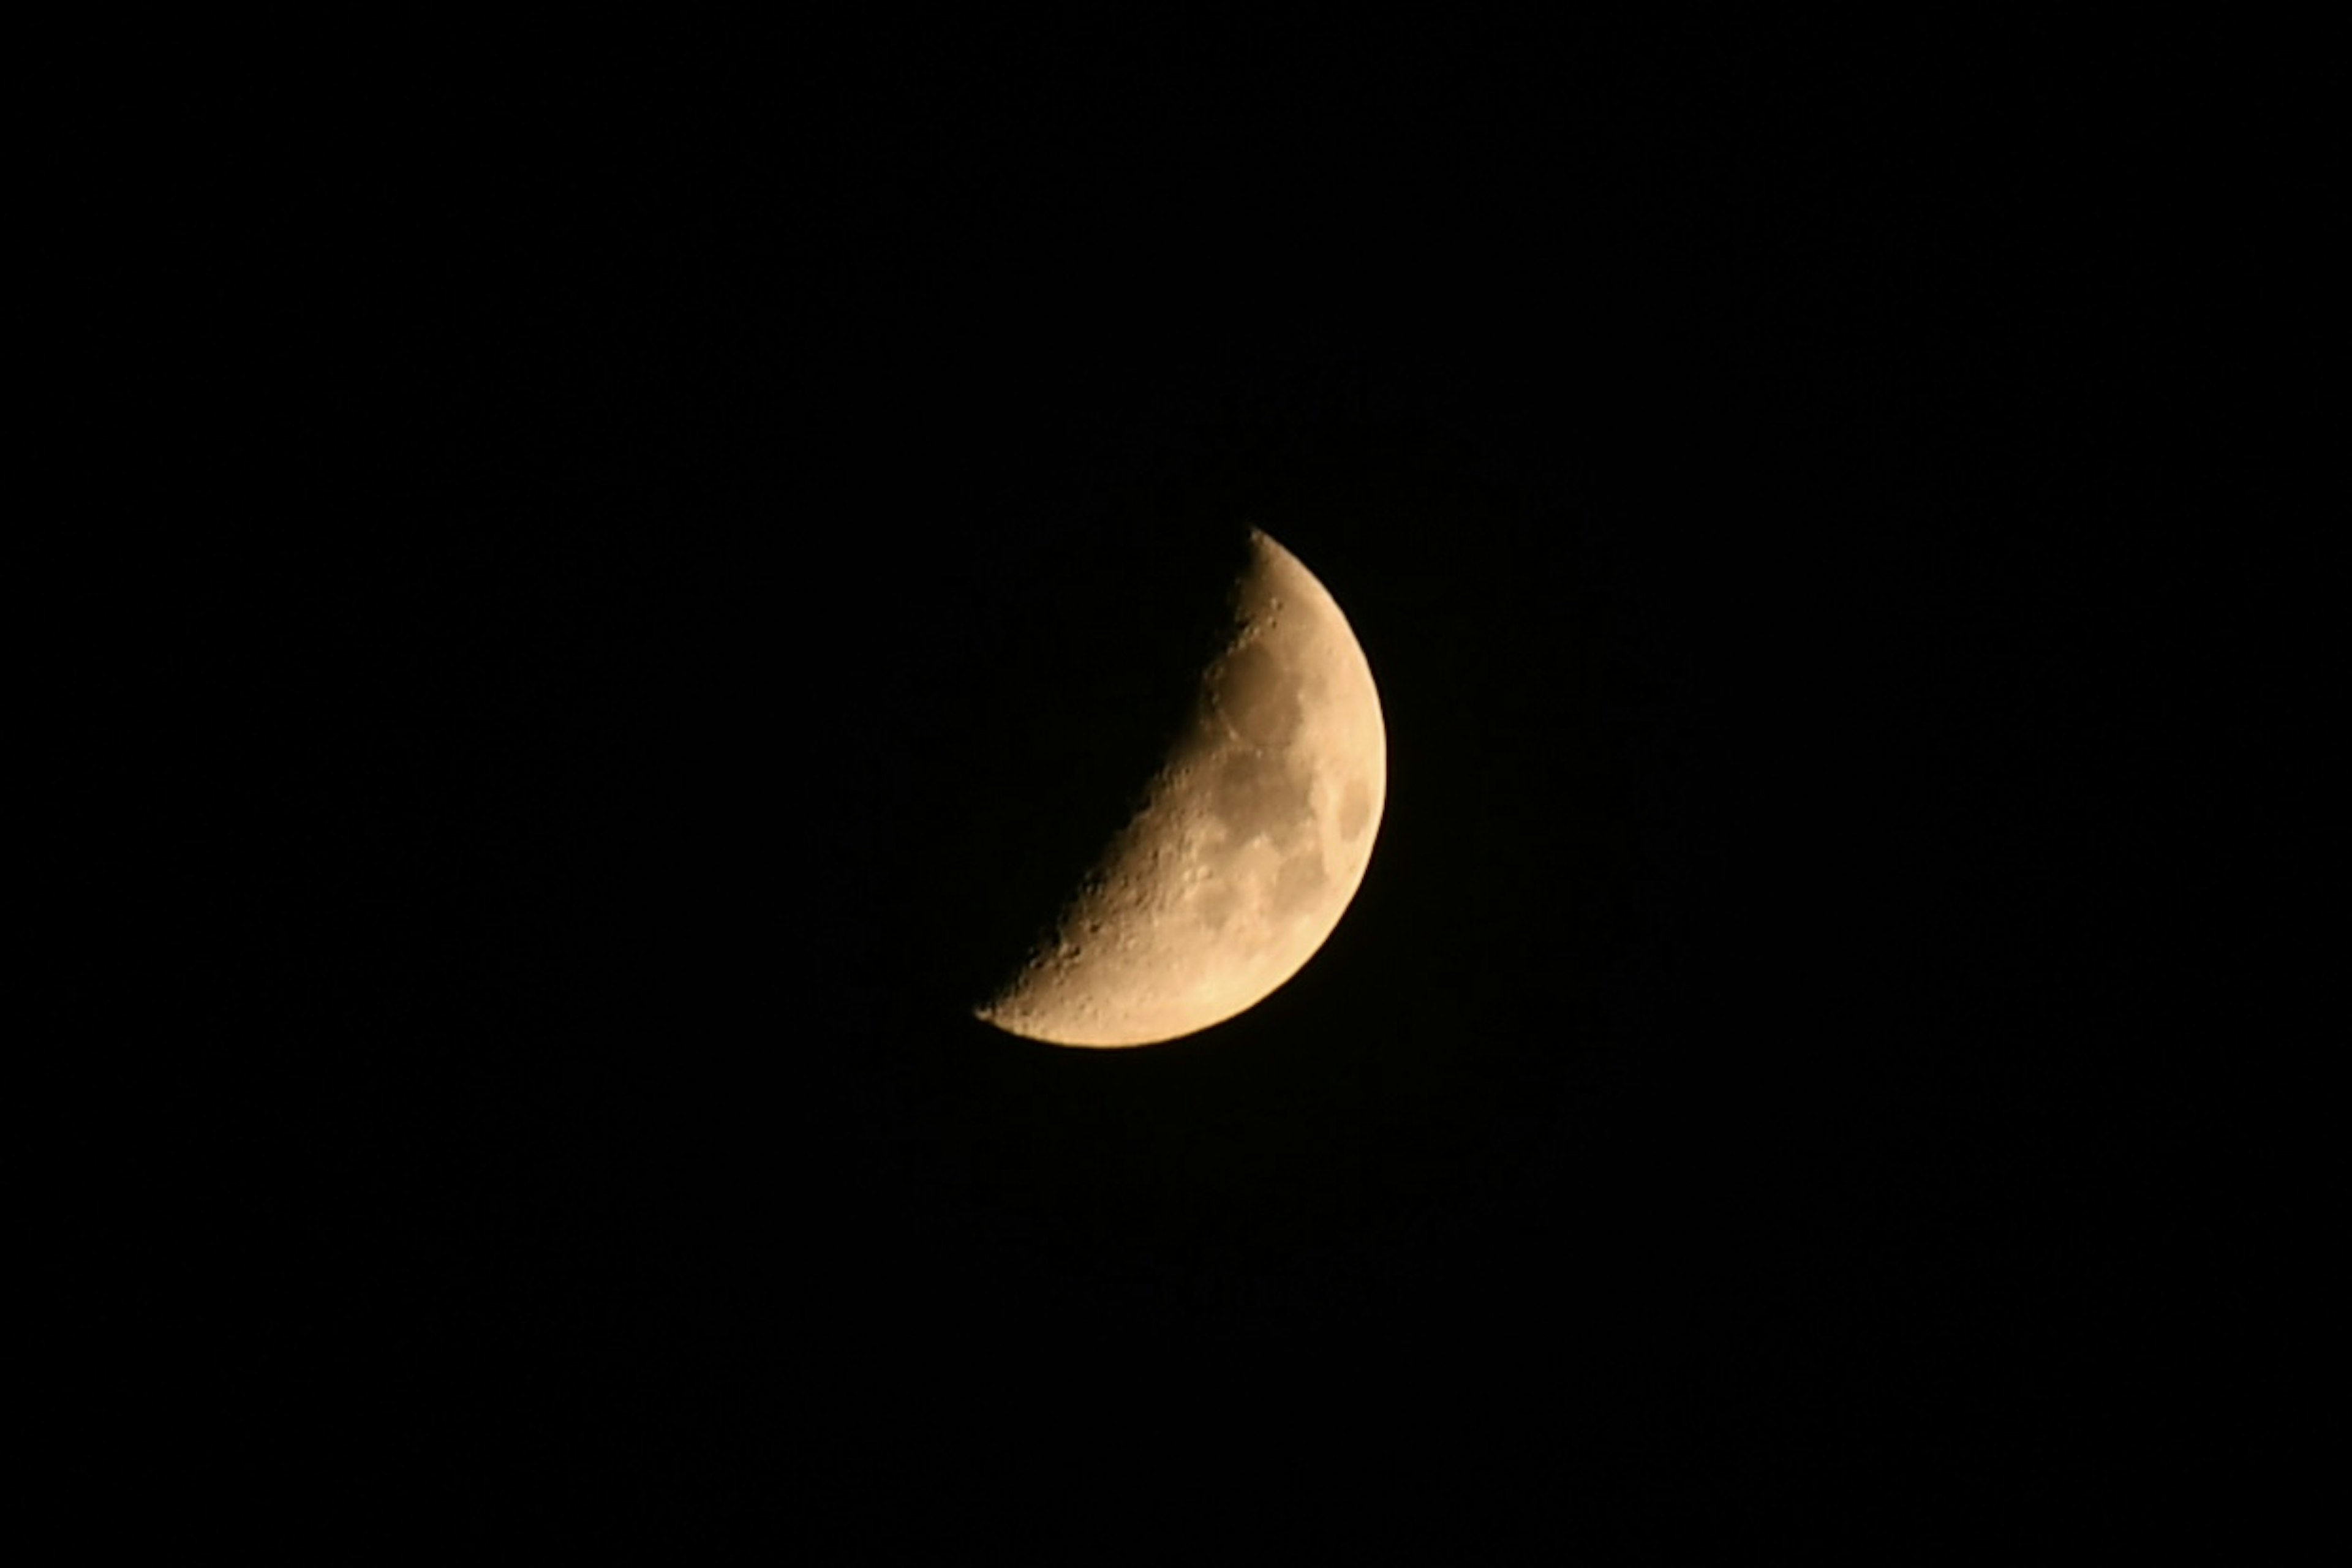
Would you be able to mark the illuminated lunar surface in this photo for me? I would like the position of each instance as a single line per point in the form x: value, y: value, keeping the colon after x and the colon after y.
x: 1253, y: 837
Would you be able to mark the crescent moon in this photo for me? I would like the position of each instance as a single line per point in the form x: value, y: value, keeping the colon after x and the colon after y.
x: 1251, y: 840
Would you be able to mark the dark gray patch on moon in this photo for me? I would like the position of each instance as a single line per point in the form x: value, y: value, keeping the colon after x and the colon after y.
x: 1257, y: 795
x: 1259, y: 697
x: 1256, y: 787
x: 1355, y: 809
x: 1297, y: 885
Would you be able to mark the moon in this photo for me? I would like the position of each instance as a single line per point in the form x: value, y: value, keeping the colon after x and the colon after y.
x: 1250, y: 843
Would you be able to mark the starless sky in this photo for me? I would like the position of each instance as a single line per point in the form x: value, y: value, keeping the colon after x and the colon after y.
x: 741, y: 570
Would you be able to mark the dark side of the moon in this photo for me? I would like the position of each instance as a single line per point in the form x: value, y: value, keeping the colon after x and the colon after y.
x: 684, y: 654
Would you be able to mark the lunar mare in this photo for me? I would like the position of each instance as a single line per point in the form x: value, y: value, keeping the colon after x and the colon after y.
x: 1250, y: 842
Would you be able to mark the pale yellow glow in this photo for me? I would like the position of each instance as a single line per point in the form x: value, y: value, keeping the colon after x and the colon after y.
x: 1253, y: 839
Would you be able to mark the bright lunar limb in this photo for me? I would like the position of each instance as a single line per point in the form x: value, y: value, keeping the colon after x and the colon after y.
x: 1253, y: 838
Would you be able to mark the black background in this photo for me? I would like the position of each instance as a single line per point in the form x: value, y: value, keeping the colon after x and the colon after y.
x: 687, y: 558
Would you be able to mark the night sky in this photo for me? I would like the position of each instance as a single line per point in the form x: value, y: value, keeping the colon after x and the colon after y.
x: 702, y: 562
